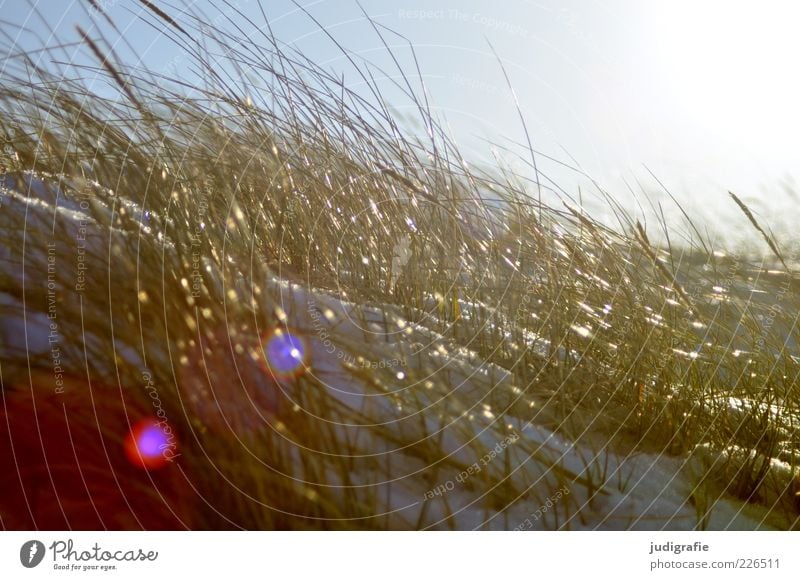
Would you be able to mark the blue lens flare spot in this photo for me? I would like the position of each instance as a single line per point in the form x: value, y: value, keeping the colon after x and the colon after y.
x: 286, y: 353
x: 151, y: 444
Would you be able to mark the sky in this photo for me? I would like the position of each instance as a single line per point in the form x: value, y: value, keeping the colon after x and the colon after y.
x: 703, y: 94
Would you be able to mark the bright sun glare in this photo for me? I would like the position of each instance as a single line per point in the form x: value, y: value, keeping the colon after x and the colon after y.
x: 735, y: 68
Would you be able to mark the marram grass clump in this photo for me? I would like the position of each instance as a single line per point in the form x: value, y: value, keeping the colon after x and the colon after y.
x: 464, y: 352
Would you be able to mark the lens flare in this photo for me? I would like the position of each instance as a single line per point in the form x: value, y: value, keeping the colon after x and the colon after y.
x: 285, y: 353
x: 150, y: 444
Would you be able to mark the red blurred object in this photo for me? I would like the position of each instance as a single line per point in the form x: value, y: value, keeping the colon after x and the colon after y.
x: 63, y: 463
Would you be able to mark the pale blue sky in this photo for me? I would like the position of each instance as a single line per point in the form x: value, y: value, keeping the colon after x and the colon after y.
x: 702, y: 92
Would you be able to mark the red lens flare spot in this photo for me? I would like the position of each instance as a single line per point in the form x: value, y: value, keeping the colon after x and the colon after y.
x: 151, y: 444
